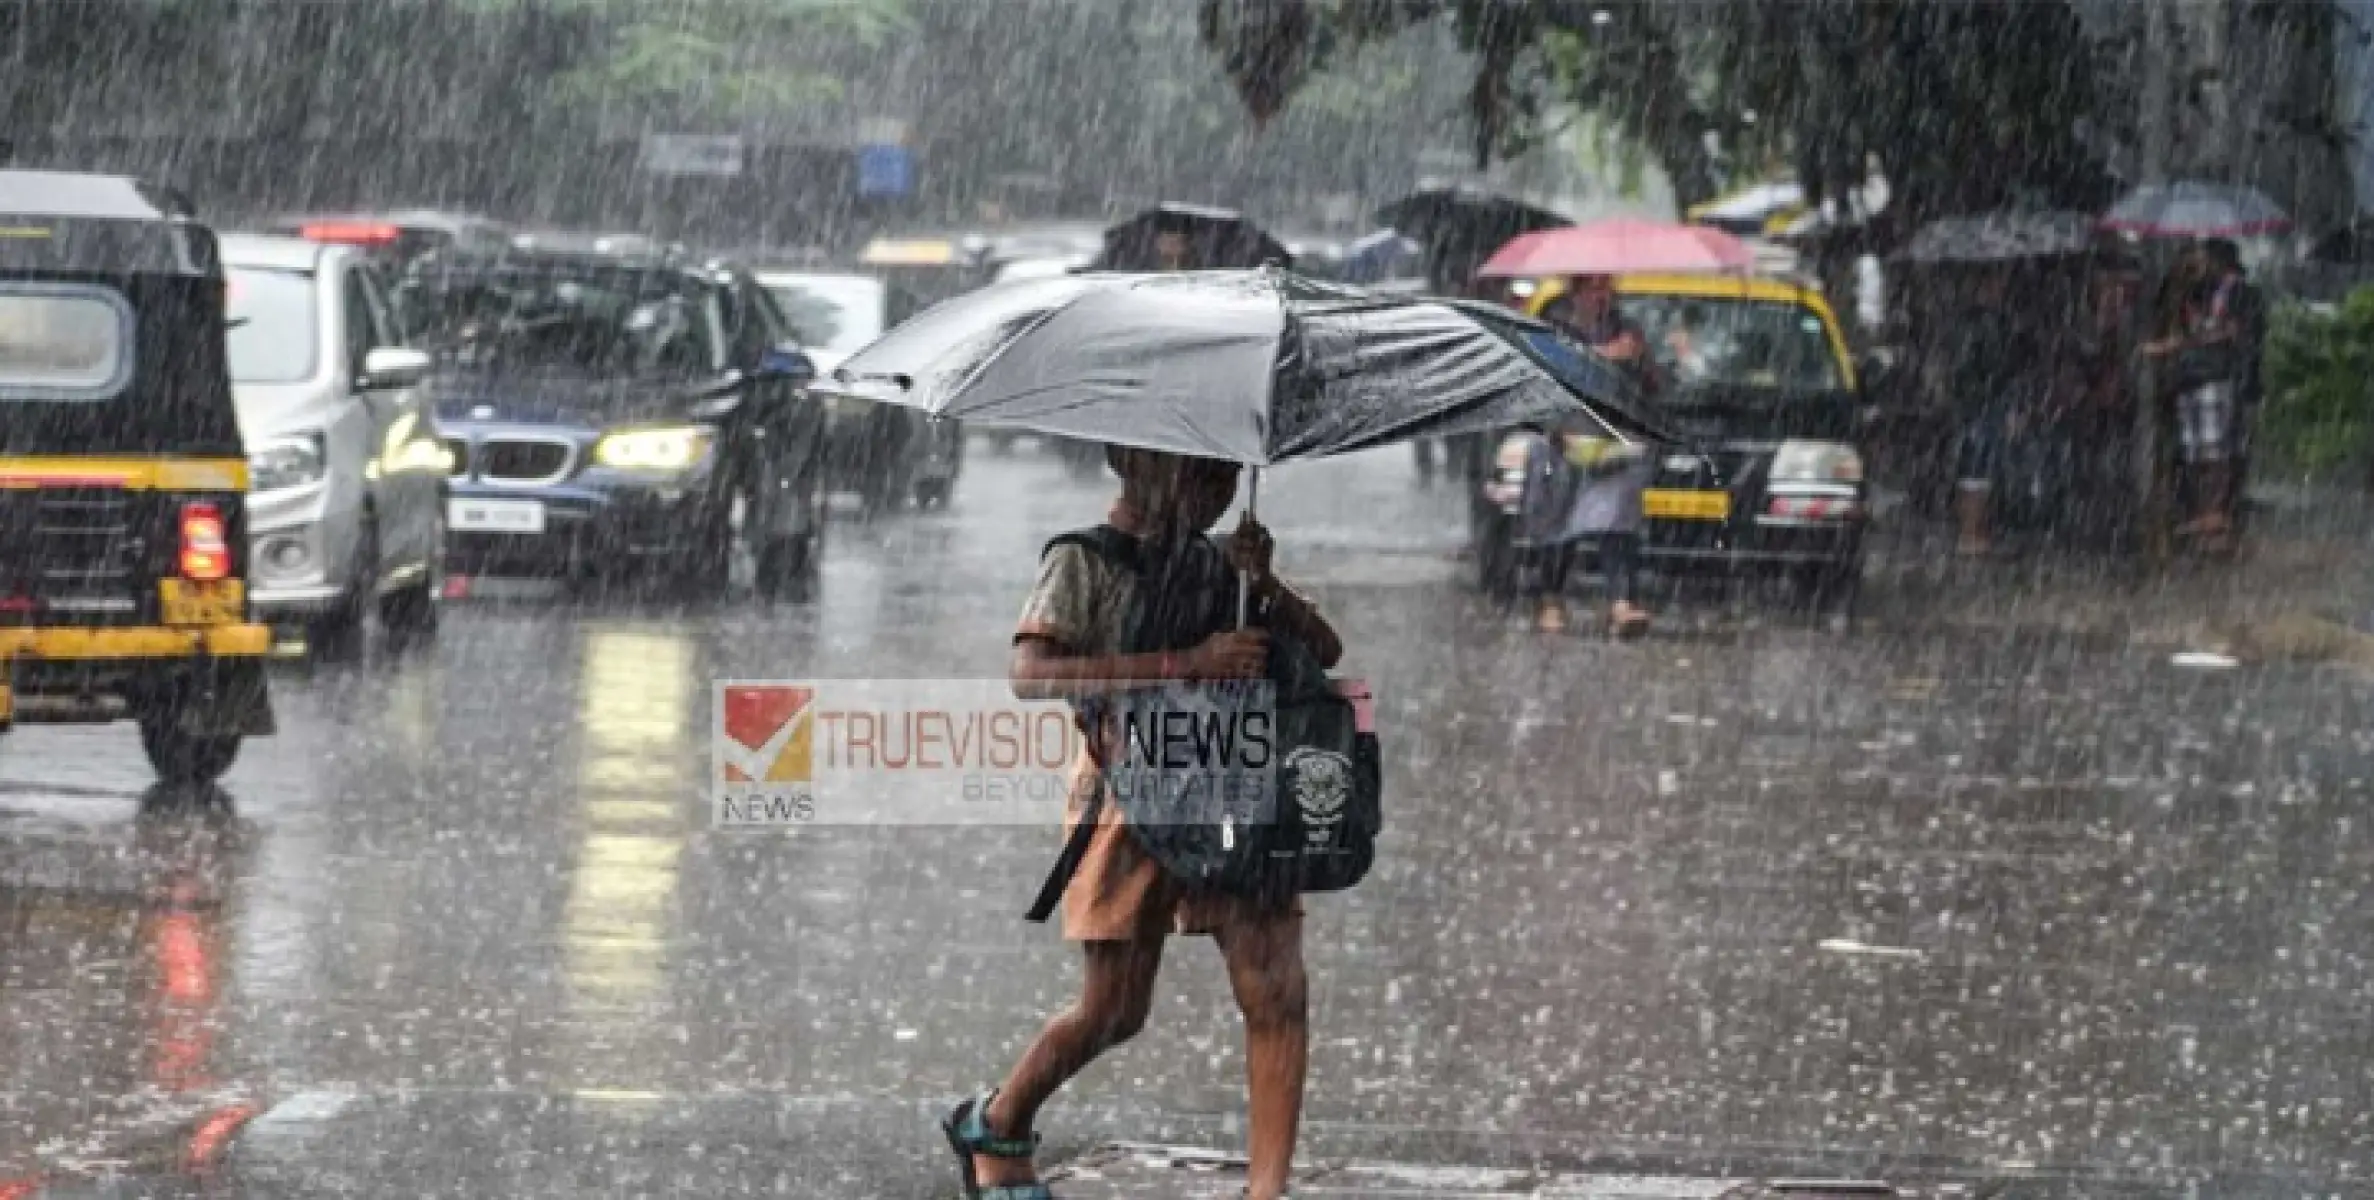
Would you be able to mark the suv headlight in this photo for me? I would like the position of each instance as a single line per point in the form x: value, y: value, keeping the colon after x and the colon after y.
x: 674, y: 448
x: 285, y: 462
x: 1816, y: 462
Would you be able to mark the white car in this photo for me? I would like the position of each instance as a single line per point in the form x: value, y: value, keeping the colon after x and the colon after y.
x: 346, y: 513
x: 884, y: 453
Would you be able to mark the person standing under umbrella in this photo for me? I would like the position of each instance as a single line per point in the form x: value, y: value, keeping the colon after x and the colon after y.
x: 1992, y: 378
x: 1119, y: 905
x: 2199, y: 337
x: 2243, y: 317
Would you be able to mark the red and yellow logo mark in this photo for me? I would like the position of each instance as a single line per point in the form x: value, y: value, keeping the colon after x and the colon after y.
x: 770, y: 734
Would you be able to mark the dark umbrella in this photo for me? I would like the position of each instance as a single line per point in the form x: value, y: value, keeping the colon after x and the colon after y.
x: 1217, y: 239
x: 1254, y: 367
x: 1461, y: 226
x: 1379, y: 256
x: 2000, y: 237
x: 2189, y: 209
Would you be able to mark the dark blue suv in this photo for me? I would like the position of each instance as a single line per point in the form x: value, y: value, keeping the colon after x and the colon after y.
x: 607, y: 412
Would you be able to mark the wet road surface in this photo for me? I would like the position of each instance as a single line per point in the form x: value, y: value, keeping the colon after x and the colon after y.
x: 1745, y: 894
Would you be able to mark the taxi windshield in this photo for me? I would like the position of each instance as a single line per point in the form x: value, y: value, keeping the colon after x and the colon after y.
x: 1729, y: 342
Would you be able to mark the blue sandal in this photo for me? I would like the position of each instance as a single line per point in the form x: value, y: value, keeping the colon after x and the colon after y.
x: 967, y: 1129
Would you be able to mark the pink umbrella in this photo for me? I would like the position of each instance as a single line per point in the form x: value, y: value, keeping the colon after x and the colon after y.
x: 1620, y: 246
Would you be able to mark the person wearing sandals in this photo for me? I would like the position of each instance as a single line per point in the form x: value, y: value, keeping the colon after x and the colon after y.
x: 1586, y: 489
x: 1119, y: 905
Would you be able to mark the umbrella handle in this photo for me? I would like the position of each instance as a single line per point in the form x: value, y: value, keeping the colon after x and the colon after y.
x: 1244, y: 579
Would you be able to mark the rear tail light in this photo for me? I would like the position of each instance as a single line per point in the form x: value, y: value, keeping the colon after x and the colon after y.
x: 350, y: 233
x: 205, y: 543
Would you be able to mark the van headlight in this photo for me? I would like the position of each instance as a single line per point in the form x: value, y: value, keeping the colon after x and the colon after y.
x: 285, y: 462
x: 1816, y: 462
x: 673, y: 448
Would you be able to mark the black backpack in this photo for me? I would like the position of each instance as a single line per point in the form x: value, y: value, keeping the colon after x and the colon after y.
x: 1329, y: 774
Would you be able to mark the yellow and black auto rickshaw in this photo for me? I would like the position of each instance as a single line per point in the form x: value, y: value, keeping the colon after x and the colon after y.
x: 123, y: 524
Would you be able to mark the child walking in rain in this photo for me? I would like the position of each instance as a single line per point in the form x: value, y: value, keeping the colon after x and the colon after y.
x: 1119, y: 904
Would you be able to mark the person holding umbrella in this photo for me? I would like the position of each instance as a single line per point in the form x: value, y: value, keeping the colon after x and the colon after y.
x: 2199, y: 335
x: 1119, y: 905
x: 1190, y: 378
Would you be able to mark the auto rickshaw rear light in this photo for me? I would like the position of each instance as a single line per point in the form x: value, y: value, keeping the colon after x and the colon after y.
x: 350, y: 233
x: 205, y: 543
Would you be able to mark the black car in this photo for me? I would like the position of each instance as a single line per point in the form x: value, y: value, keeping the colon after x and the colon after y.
x: 613, y: 412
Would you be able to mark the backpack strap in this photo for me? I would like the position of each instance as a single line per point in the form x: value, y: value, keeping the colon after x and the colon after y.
x: 1127, y: 554
x: 1121, y: 550
x: 1067, y: 863
x: 1105, y: 542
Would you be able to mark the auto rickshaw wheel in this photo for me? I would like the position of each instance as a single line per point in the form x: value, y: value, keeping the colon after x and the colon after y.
x: 181, y: 757
x: 931, y: 493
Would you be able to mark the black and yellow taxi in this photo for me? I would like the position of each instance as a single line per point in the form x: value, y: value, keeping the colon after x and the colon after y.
x: 123, y: 538
x: 1755, y: 371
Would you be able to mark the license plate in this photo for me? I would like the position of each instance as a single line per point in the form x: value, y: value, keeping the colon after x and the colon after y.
x: 189, y: 602
x: 495, y: 516
x: 1674, y: 504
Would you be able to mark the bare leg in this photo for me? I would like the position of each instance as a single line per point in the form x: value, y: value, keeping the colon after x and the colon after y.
x: 1116, y: 990
x: 1264, y: 959
x: 1618, y: 562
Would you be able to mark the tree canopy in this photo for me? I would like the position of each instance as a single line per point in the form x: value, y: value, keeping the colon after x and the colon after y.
x: 1965, y: 106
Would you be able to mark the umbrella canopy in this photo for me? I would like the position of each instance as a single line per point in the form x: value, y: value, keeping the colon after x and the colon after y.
x: 1217, y: 238
x: 1751, y: 209
x: 1459, y: 226
x: 2000, y: 237
x: 1255, y: 367
x: 1621, y: 246
x: 1385, y: 254
x: 2189, y: 209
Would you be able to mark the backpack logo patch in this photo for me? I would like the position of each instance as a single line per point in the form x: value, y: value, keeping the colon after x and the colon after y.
x: 1322, y: 786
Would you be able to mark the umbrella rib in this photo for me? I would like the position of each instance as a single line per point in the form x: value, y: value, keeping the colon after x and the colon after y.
x: 991, y: 359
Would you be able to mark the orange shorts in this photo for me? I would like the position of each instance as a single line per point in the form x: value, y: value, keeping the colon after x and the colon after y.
x: 1120, y: 894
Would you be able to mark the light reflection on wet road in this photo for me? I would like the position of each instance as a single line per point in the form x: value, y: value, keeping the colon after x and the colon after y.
x: 1756, y: 892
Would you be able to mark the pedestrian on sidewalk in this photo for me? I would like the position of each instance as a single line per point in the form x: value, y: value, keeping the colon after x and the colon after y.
x: 1991, y: 348
x: 2199, y: 338
x: 1583, y: 488
x: 2243, y: 314
x: 1119, y: 905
